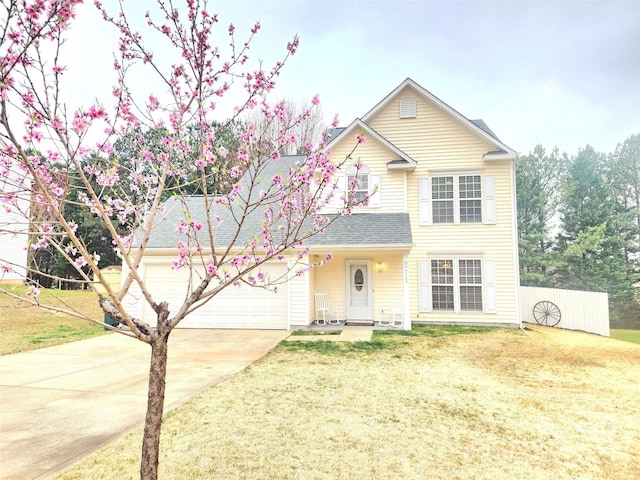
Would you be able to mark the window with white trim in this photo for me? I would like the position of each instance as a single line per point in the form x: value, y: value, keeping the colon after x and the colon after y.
x: 361, y: 190
x: 442, y: 284
x: 442, y: 201
x: 456, y: 284
x: 470, y: 198
x: 366, y: 185
x: 457, y: 198
x: 470, y: 280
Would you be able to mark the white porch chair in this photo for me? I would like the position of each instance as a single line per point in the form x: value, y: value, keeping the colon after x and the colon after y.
x: 391, y: 316
x: 324, y: 314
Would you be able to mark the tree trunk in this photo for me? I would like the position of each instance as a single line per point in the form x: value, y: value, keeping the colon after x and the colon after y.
x: 155, y: 399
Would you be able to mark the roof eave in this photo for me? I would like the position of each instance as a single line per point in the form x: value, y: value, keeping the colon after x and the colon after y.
x: 401, y: 166
x: 360, y: 247
x: 358, y: 123
x: 500, y: 155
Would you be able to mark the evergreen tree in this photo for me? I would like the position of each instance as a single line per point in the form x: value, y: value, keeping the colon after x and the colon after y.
x: 623, y: 174
x: 592, y: 242
x: 538, y: 175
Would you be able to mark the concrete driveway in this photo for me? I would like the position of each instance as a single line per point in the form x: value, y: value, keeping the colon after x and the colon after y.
x: 59, y: 404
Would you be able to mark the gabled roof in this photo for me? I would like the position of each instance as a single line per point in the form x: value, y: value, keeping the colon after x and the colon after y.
x: 358, y: 126
x: 360, y: 229
x: 478, y: 127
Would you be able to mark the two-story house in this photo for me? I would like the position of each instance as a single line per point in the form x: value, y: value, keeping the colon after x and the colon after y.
x: 436, y: 243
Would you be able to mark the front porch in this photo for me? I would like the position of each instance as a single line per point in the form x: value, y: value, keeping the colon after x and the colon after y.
x: 362, y: 289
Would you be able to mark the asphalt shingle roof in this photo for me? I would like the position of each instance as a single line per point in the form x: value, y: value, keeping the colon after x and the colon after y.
x: 366, y: 229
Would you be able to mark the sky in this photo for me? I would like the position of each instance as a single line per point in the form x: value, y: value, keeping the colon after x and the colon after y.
x: 562, y: 74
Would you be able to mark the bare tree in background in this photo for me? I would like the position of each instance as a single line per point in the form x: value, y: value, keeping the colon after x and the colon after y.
x: 303, y: 136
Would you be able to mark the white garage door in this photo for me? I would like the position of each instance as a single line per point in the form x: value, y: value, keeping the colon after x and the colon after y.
x: 234, y: 307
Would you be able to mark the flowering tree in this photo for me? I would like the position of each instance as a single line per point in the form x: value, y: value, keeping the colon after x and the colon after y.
x: 55, y: 155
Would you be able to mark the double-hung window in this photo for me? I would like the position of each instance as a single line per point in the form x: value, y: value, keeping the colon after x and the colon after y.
x: 358, y: 186
x: 442, y: 199
x: 457, y: 198
x: 362, y: 185
x: 470, y: 284
x: 457, y: 284
x: 470, y: 198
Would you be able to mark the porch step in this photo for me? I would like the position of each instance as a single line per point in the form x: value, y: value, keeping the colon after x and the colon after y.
x: 359, y: 323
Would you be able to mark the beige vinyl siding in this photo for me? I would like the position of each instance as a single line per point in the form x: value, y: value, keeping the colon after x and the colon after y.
x: 375, y: 156
x: 490, y: 242
x: 432, y: 138
x: 388, y: 284
x: 439, y: 143
x: 330, y: 279
x: 299, y: 300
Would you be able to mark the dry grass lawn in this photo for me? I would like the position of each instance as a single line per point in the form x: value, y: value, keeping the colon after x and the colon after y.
x: 499, y: 404
x: 24, y: 327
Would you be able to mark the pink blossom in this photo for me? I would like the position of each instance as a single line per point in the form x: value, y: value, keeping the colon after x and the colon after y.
x: 94, y: 112
x: 57, y: 124
x: 360, y: 138
x: 32, y: 292
x: 80, y: 262
x: 292, y: 46
x: 79, y: 124
x: 212, y: 269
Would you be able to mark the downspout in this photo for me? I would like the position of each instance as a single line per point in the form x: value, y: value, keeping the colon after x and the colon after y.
x: 405, y: 281
x: 516, y: 253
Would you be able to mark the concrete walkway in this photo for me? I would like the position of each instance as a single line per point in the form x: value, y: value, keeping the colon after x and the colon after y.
x: 59, y: 404
x: 359, y: 335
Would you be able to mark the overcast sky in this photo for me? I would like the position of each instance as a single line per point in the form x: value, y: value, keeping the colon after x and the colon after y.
x: 563, y: 73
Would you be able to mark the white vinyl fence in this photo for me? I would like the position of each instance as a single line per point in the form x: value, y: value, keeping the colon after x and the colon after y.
x: 585, y: 311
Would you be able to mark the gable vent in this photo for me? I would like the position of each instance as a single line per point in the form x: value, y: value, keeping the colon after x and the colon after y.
x: 408, y: 107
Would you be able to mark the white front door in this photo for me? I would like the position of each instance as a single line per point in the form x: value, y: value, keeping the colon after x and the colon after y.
x: 359, y: 290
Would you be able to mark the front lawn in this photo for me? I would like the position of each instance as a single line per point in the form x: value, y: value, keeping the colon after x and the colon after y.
x: 434, y: 403
x: 626, y: 335
x: 24, y: 327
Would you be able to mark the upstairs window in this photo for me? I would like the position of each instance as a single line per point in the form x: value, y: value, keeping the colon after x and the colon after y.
x: 367, y: 185
x: 361, y: 179
x: 442, y: 199
x: 454, y: 199
x: 470, y: 195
